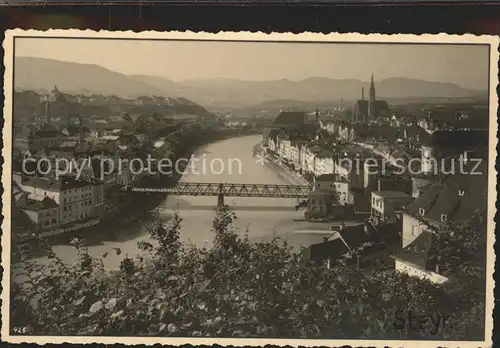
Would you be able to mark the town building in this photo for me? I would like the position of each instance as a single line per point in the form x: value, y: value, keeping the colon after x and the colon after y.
x: 457, y: 198
x: 283, y: 120
x: 371, y: 171
x: 385, y: 204
x: 319, y: 204
x: 308, y: 158
x: 371, y: 109
x: 413, y: 136
x: 442, y: 117
x: 443, y: 145
x: 350, y: 164
x: 334, y: 183
x: 325, y: 182
x: 345, y: 131
x: 35, y: 137
x: 330, y: 125
x: 44, y: 213
x: 272, y: 142
x: 394, y: 182
x: 73, y: 197
x: 324, y: 162
x: 357, y: 245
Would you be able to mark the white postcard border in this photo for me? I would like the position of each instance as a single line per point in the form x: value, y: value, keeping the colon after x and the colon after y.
x: 8, y: 46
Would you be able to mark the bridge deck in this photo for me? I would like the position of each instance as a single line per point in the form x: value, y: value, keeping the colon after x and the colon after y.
x: 231, y: 190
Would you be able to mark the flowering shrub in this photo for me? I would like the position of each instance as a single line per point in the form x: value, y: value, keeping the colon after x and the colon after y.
x: 235, y: 289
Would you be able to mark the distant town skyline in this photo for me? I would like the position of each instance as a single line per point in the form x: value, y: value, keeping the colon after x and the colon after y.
x: 466, y: 66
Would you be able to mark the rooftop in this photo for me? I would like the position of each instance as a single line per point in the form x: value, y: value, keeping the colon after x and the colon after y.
x: 333, y: 250
x: 273, y: 133
x: 331, y: 178
x: 290, y: 118
x: 457, y: 139
x: 110, y: 137
x: 457, y: 196
x: 64, y: 183
x: 356, y: 236
x: 391, y: 194
x: 361, y: 239
x: 35, y: 205
x: 32, y: 131
x: 68, y: 144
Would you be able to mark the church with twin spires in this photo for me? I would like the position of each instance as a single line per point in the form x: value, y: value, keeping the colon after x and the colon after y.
x: 371, y: 109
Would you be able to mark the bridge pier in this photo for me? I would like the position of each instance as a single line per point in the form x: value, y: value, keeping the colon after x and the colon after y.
x: 220, y: 201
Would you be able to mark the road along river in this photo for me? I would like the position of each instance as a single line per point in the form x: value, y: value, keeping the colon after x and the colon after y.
x: 230, y: 161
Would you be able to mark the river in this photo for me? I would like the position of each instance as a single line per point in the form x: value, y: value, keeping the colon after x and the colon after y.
x: 227, y: 161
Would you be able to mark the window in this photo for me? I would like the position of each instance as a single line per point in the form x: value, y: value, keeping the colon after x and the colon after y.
x: 54, y: 221
x: 421, y: 211
x: 444, y: 217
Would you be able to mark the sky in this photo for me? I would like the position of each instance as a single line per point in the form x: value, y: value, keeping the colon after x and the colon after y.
x: 466, y: 66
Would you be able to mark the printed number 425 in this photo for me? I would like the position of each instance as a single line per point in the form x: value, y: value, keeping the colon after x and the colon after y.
x: 20, y: 330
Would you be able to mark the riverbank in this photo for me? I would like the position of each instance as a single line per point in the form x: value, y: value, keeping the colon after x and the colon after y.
x: 286, y: 173
x: 127, y: 209
x: 257, y: 218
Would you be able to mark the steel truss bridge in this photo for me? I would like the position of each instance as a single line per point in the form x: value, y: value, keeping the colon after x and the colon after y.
x: 230, y: 190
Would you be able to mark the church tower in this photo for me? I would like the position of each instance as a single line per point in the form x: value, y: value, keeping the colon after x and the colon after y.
x: 371, y: 104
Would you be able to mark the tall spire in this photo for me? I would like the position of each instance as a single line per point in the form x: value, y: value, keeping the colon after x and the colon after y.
x: 372, y: 90
x: 371, y: 106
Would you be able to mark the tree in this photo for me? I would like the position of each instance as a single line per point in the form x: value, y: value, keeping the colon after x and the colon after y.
x: 235, y: 289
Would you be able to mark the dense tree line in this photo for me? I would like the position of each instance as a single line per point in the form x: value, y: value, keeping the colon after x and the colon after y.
x: 242, y: 289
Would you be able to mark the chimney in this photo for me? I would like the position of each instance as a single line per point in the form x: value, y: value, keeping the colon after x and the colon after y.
x: 362, y: 93
x: 341, y: 104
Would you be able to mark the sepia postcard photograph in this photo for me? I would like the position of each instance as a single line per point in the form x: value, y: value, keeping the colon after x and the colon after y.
x: 249, y: 189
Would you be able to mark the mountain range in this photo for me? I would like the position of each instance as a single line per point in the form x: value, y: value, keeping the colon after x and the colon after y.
x: 42, y: 74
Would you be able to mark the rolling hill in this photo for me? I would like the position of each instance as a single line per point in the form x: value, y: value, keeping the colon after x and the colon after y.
x: 43, y: 74
x: 231, y: 93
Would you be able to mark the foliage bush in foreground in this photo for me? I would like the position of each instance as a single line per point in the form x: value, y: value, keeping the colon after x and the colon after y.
x: 235, y: 289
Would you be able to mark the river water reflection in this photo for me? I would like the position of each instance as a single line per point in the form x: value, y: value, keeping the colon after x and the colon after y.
x: 198, y: 212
